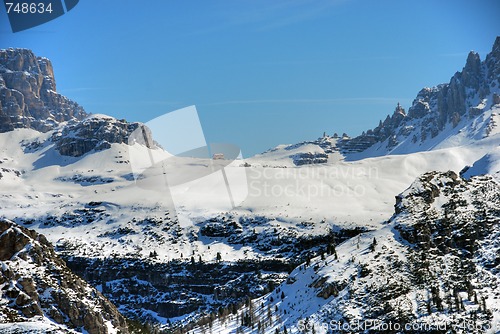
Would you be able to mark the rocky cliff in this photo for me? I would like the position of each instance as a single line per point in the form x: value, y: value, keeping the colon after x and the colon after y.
x: 469, y: 93
x: 28, y: 97
x: 35, y: 282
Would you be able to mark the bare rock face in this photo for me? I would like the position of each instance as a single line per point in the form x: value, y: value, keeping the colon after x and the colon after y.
x: 458, y: 225
x: 34, y: 281
x: 28, y: 97
x: 309, y: 158
x: 434, y: 108
x: 95, y: 133
x: 493, y: 64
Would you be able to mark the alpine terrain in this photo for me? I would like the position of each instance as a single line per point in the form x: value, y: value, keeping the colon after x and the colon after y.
x: 395, y: 230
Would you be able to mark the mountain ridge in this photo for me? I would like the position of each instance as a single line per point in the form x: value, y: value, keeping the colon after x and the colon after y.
x: 436, y: 114
x: 75, y: 183
x: 463, y: 97
x: 430, y: 269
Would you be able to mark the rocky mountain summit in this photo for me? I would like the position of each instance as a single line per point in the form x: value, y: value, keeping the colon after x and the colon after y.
x: 28, y: 97
x: 35, y: 284
x: 437, y: 113
x: 97, y: 133
x: 467, y: 95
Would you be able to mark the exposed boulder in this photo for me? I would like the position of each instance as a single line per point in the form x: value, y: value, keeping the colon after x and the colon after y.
x: 309, y: 158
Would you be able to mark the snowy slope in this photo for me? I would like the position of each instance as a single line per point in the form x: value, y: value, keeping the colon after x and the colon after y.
x: 90, y: 206
x: 69, y: 198
x: 36, y: 325
x: 409, y: 274
x: 314, y: 152
x: 488, y: 164
x: 104, y: 206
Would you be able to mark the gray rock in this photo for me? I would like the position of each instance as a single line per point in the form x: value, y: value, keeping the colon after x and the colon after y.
x: 309, y: 158
x: 434, y: 108
x: 95, y: 133
x: 28, y: 96
x: 52, y: 289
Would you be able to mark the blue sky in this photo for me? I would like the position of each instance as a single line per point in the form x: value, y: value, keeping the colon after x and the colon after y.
x: 260, y: 72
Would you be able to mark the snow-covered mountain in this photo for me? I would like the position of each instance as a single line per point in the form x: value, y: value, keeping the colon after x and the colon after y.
x: 462, y: 111
x: 432, y: 268
x: 28, y: 99
x: 68, y: 175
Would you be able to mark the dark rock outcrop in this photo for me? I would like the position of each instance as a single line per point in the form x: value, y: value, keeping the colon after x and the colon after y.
x: 461, y: 224
x: 96, y: 133
x: 34, y: 281
x: 309, y: 158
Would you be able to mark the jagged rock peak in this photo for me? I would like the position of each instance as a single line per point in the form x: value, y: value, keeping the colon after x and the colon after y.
x: 35, y: 282
x: 399, y: 110
x: 495, y: 50
x: 28, y: 97
x: 22, y: 60
x: 435, y: 108
x: 473, y: 63
x: 471, y: 74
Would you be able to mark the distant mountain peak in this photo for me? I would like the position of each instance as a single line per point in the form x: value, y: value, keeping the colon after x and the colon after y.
x: 470, y: 93
x: 28, y: 99
x: 455, y: 113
